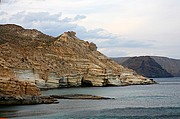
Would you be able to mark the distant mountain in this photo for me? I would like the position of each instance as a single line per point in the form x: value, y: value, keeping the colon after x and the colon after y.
x: 170, y: 65
x: 151, y: 66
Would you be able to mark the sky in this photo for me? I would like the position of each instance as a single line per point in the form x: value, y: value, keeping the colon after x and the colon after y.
x: 119, y: 28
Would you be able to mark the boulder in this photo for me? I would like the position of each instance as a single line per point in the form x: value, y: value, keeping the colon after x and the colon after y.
x: 92, y: 46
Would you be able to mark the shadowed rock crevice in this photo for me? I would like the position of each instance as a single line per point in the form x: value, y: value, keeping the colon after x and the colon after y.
x: 86, y: 83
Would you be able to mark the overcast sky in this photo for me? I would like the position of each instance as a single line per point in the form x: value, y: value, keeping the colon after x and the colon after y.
x: 119, y: 27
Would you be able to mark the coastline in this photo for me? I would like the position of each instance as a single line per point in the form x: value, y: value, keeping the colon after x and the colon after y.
x: 10, y: 100
x: 139, y: 101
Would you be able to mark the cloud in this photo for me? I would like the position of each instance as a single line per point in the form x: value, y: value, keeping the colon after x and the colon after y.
x: 76, y: 18
x: 52, y: 24
x: 3, y: 13
x: 113, y: 52
x: 34, y: 17
x: 79, y: 17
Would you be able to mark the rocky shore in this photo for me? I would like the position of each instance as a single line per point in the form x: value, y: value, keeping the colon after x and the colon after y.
x: 52, y: 99
x: 26, y: 100
x: 80, y: 96
x: 15, y: 92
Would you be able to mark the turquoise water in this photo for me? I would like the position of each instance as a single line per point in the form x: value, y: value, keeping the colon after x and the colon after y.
x: 159, y: 101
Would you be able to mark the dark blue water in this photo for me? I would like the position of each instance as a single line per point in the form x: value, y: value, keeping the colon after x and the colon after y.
x: 159, y: 101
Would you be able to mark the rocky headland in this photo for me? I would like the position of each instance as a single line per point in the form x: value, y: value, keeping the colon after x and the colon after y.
x: 146, y: 66
x: 30, y: 60
x: 172, y: 66
x: 152, y: 66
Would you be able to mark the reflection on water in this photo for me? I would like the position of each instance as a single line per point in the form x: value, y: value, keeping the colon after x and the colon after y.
x: 150, y: 101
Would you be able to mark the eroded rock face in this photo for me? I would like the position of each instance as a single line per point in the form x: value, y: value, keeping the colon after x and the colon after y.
x: 10, y: 85
x: 15, y: 92
x: 65, y: 61
x: 15, y: 87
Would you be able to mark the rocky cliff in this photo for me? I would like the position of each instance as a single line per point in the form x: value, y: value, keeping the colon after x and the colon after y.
x: 64, y: 61
x: 152, y: 66
x: 9, y: 85
x: 13, y: 91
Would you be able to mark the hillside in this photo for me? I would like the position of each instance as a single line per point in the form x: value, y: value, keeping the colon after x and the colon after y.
x: 64, y: 61
x: 168, y: 65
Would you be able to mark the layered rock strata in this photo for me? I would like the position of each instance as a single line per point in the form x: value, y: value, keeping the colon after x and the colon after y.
x: 64, y: 61
x: 16, y: 92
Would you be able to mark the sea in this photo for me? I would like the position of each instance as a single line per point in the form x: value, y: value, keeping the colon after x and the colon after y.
x: 157, y: 101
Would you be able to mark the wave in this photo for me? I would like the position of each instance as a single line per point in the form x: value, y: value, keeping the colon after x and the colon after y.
x: 130, y: 113
x: 126, y: 113
x: 116, y: 113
